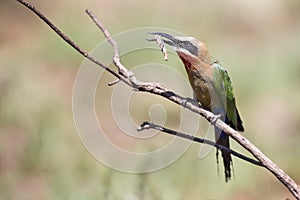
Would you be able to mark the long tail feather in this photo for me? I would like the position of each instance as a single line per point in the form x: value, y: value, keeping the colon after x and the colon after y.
x: 223, y: 139
x: 227, y: 161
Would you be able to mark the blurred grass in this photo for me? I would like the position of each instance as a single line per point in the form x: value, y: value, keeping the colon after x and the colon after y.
x: 41, y: 156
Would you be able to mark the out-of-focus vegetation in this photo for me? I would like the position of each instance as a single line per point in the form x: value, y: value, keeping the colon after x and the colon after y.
x: 41, y: 156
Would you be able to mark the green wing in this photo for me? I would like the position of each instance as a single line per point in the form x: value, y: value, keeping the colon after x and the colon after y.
x: 223, y: 86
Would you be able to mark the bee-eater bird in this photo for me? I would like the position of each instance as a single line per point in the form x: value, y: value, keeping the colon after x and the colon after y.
x: 211, y: 85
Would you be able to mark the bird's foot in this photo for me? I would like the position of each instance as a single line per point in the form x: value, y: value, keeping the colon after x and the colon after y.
x: 189, y: 100
x: 215, y: 118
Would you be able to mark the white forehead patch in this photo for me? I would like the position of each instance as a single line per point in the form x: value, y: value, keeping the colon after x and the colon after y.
x: 182, y: 38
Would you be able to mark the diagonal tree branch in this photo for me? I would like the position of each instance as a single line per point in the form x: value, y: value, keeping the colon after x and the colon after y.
x: 151, y: 87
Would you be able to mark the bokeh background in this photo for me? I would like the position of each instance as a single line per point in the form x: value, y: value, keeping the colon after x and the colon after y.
x: 41, y: 155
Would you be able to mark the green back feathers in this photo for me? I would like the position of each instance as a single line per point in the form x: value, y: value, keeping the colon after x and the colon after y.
x: 224, y: 89
x: 222, y: 80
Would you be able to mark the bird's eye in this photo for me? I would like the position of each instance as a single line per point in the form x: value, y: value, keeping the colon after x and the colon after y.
x: 187, y: 44
x: 190, y: 47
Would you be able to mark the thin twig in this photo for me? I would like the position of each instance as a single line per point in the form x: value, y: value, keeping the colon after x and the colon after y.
x: 147, y: 125
x: 155, y: 88
x: 116, y: 59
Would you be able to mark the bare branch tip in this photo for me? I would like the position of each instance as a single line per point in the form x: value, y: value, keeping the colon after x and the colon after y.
x: 114, y: 82
x: 144, y: 126
x: 25, y: 3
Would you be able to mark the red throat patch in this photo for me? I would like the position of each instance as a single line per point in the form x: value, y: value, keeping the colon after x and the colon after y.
x: 187, y: 64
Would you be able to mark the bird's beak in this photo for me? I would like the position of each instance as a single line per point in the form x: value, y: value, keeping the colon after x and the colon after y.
x: 168, y: 39
x: 183, y: 44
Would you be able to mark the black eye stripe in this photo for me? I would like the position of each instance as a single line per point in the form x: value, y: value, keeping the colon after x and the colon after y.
x: 189, y: 46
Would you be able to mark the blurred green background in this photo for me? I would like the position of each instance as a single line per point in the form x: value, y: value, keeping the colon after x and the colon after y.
x: 41, y: 156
